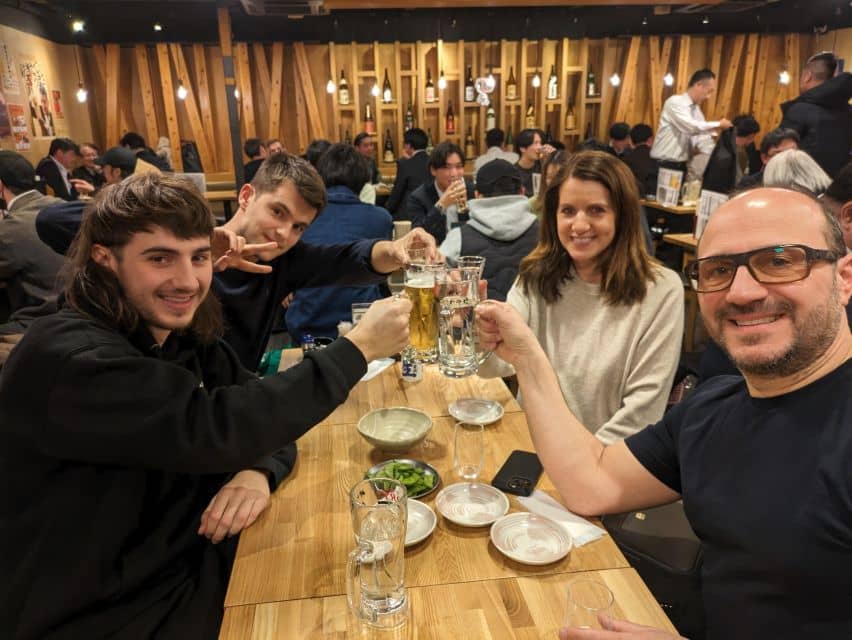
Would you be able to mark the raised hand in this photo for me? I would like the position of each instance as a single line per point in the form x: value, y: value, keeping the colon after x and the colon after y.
x: 230, y: 251
x: 383, y: 330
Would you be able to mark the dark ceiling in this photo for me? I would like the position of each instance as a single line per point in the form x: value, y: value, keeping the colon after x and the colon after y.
x: 130, y: 21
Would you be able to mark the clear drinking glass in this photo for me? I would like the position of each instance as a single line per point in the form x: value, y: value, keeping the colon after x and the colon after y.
x: 464, y: 262
x: 459, y: 354
x: 588, y: 602
x: 468, y: 450
x: 423, y: 321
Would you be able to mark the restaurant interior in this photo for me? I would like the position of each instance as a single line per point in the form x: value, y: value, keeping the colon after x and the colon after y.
x: 493, y: 553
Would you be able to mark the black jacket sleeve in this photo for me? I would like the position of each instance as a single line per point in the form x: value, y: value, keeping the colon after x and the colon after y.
x: 57, y: 224
x: 400, y: 186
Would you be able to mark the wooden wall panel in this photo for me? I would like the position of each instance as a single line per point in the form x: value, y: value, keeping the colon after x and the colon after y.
x: 169, y: 103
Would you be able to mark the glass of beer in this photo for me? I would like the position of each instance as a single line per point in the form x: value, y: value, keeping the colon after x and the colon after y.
x: 423, y: 321
x: 461, y: 203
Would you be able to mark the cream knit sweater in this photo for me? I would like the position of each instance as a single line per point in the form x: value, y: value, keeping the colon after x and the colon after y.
x: 615, y: 364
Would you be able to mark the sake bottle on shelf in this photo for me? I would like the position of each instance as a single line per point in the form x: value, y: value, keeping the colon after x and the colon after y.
x: 343, y: 90
x: 490, y: 118
x: 430, y: 87
x: 511, y: 86
x: 409, y: 117
x: 570, y: 118
x: 388, y: 153
x: 529, y: 119
x: 429, y: 144
x: 347, y: 139
x: 469, y: 147
x: 451, y: 118
x: 369, y: 123
x: 591, y: 87
x: 469, y: 90
x: 552, y: 84
x: 387, y: 94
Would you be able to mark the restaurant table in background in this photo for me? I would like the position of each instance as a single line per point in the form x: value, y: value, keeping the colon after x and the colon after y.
x: 288, y: 578
x: 688, y: 243
x: 226, y: 197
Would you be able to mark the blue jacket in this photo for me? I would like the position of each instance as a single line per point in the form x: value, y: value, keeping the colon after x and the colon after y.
x: 346, y: 219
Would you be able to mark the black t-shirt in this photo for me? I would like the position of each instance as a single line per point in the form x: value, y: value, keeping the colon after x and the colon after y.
x: 767, y: 486
x: 527, y: 177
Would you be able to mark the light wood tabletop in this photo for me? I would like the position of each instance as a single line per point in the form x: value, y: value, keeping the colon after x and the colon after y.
x: 679, y: 210
x: 684, y: 240
x: 220, y: 196
x: 288, y: 579
x: 525, y: 608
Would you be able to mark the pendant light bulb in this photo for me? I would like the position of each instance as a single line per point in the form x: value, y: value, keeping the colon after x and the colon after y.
x: 82, y: 94
x: 182, y: 91
x: 536, y: 81
x: 331, y: 87
x: 442, y: 81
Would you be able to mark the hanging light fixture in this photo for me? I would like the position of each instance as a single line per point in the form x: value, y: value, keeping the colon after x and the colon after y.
x: 784, y: 77
x: 158, y: 26
x: 331, y: 87
x: 668, y: 79
x: 536, y: 81
x: 615, y: 80
x: 78, y: 26
x: 236, y: 93
x: 442, y: 81
x: 375, y: 89
x: 82, y: 94
x: 181, y: 91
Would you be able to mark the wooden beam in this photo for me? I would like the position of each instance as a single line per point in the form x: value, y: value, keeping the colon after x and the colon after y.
x: 144, y: 69
x: 302, y: 132
x: 683, y: 70
x: 748, y: 71
x: 655, y: 82
x: 730, y: 79
x: 759, y: 93
x: 262, y: 67
x: 111, y: 67
x: 100, y: 65
x: 717, y: 45
x: 792, y: 58
x: 169, y: 104
x: 195, y: 123
x: 202, y: 83
x: 304, y: 72
x: 627, y: 95
x: 244, y: 80
x: 224, y: 23
x: 606, y: 89
x: 276, y: 81
x: 355, y: 87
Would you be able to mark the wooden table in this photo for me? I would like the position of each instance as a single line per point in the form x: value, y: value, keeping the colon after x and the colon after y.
x: 678, y: 210
x: 288, y: 578
x: 683, y: 240
x: 689, y: 244
x: 226, y: 197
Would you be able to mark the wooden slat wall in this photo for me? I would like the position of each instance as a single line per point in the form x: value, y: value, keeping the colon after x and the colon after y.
x: 282, y: 86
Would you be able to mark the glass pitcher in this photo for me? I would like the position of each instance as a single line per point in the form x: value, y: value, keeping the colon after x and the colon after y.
x: 375, y: 570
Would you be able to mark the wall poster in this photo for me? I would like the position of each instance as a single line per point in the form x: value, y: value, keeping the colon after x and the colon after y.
x: 38, y: 97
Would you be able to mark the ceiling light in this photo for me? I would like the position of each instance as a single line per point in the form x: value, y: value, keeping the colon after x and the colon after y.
x: 82, y: 94
x: 181, y: 91
x: 614, y: 80
x: 331, y: 87
x: 236, y: 93
x: 536, y: 81
x: 784, y: 77
x: 644, y: 20
x: 442, y: 81
x: 668, y: 79
x: 705, y: 20
x: 375, y: 89
x: 158, y: 26
x: 78, y: 26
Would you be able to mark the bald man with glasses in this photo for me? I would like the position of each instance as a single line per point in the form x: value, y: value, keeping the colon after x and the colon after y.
x: 762, y: 462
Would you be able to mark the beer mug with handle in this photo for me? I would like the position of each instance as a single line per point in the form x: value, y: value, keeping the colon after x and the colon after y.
x: 375, y: 570
x: 457, y: 292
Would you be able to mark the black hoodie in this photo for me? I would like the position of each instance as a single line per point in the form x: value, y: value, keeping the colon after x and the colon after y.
x: 822, y: 117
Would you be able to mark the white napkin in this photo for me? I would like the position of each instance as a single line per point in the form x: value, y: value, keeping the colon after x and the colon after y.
x: 376, y: 367
x: 581, y: 530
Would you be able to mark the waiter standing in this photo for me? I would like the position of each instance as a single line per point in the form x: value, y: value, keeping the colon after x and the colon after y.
x: 683, y: 131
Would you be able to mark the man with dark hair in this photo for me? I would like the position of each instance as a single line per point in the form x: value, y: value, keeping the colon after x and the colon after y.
x: 730, y: 159
x: 28, y: 267
x: 821, y: 115
x: 366, y: 147
x: 434, y: 205
x: 619, y: 139
x: 136, y: 143
x: 55, y: 169
x: 494, y: 142
x: 316, y: 150
x: 643, y: 166
x: 773, y: 143
x: 411, y: 171
x: 530, y: 150
x: 152, y: 441
x: 838, y: 198
x: 761, y: 462
x: 748, y: 157
x: 682, y: 125
x: 256, y: 152
x: 501, y: 227
x: 88, y: 171
x: 318, y: 310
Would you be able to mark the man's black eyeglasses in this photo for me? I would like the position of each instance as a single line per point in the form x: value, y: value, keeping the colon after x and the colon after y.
x: 780, y: 264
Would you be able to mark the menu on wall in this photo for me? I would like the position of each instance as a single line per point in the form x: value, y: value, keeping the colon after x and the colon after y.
x: 20, y: 131
x: 8, y: 77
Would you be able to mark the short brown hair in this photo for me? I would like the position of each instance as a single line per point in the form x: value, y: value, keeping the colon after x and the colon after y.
x: 284, y: 166
x: 626, y: 267
x: 118, y: 212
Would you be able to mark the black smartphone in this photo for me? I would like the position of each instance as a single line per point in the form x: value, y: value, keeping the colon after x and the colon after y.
x: 519, y: 474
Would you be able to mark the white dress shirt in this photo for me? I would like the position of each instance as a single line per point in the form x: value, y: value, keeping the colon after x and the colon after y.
x: 682, y: 128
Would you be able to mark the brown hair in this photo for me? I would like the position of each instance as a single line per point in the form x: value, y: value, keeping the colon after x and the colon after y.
x: 626, y: 267
x: 283, y: 166
x: 136, y: 205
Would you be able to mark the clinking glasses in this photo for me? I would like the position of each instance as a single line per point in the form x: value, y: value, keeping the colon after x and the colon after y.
x: 770, y: 265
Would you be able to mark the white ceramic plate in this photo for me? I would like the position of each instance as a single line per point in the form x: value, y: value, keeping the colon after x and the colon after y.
x: 476, y: 411
x: 530, y: 538
x: 471, y: 504
x: 421, y: 522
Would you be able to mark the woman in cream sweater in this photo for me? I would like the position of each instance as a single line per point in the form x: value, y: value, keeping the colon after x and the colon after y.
x: 609, y: 317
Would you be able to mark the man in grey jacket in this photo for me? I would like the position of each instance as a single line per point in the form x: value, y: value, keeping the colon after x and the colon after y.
x: 27, y: 265
x: 501, y: 227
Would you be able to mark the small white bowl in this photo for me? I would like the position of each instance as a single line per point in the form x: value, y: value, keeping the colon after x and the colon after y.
x: 394, y: 429
x: 421, y: 522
